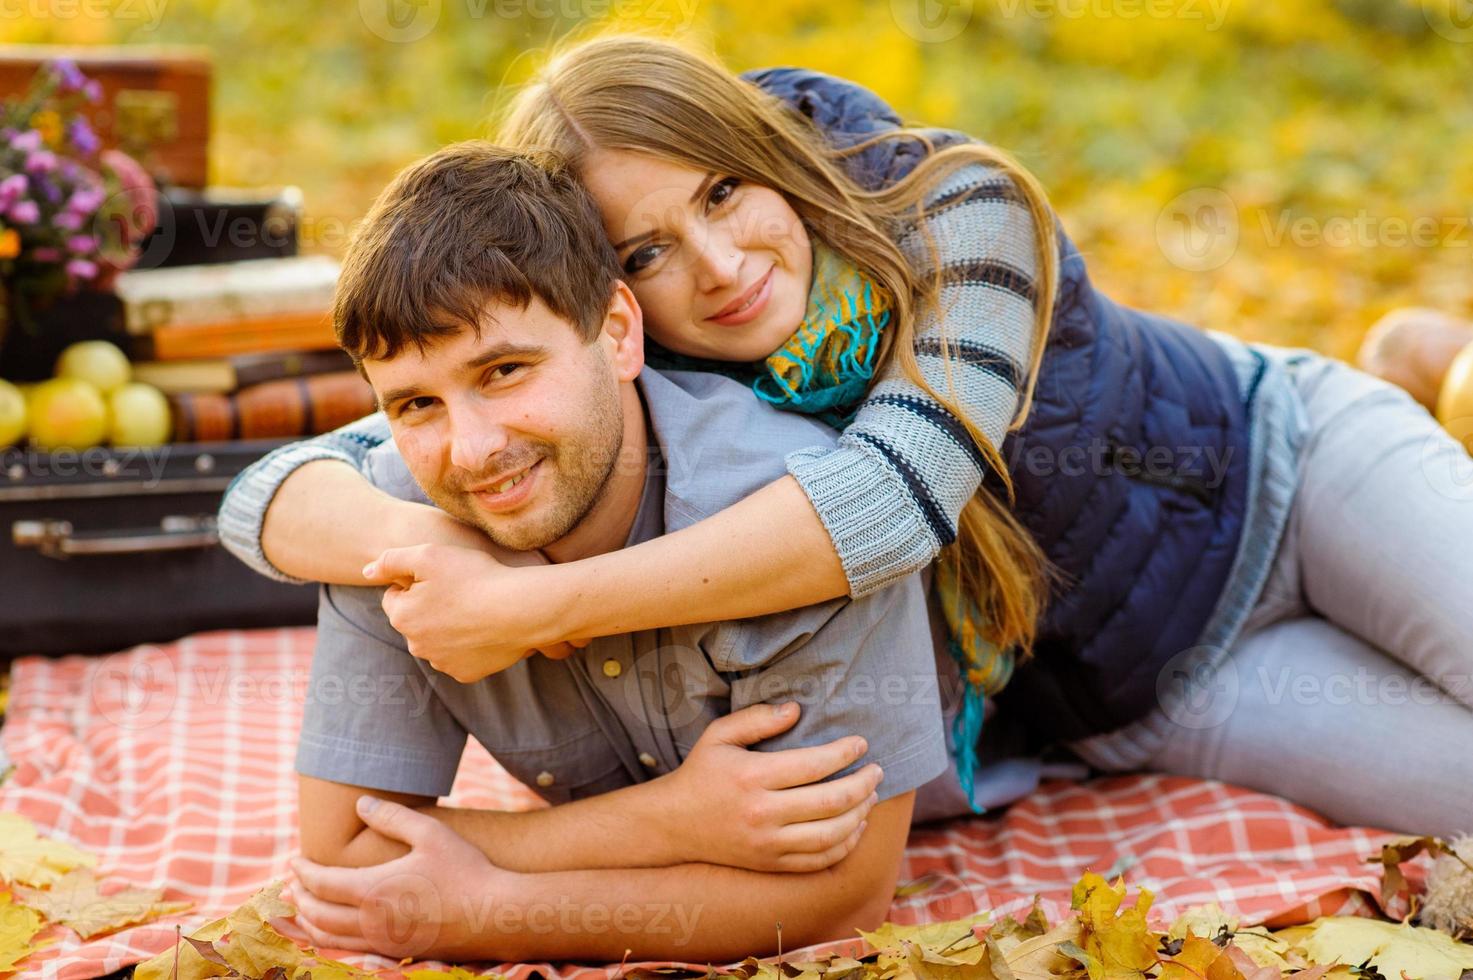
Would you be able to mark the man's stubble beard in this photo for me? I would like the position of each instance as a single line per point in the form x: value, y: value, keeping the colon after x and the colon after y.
x: 567, y: 502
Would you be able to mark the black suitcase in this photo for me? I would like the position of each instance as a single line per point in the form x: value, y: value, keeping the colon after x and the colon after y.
x: 107, y: 548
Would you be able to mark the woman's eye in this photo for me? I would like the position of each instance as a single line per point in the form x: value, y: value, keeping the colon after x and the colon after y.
x: 721, y: 191
x: 640, y: 258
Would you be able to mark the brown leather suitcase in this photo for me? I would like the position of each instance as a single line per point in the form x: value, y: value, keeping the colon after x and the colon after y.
x: 153, y: 97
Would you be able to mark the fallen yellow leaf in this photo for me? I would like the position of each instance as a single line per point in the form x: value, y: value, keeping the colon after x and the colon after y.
x: 28, y: 859
x: 73, y: 900
x: 18, y: 926
x: 1118, y: 946
x: 1391, y: 947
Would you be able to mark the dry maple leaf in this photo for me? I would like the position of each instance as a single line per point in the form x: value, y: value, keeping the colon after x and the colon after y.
x: 1112, y: 946
x: 1396, y: 852
x: 18, y: 926
x: 28, y: 859
x: 1393, y: 948
x: 73, y: 900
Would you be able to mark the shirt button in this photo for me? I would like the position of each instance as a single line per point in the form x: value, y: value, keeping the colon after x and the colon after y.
x: 647, y: 760
x: 612, y: 668
x: 545, y: 779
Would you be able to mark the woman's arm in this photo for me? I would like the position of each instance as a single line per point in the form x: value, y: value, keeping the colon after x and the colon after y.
x: 305, y: 512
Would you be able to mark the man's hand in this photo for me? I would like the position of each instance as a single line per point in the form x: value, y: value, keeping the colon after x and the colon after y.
x: 765, y: 811
x: 436, y: 901
x: 449, y: 605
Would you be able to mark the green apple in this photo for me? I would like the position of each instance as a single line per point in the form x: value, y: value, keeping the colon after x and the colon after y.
x: 97, y: 362
x: 140, y: 415
x: 66, y: 412
x: 12, y: 413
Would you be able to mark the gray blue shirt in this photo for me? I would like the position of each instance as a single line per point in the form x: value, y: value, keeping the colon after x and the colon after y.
x: 628, y: 708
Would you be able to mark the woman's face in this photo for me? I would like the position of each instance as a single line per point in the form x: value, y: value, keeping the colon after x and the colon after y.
x: 720, y: 267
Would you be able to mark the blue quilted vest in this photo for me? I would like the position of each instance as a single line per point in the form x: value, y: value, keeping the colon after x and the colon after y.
x: 1131, y: 470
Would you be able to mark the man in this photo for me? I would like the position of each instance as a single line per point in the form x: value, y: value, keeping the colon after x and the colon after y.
x: 484, y: 306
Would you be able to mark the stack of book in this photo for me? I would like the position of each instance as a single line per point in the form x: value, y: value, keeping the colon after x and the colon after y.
x: 244, y: 350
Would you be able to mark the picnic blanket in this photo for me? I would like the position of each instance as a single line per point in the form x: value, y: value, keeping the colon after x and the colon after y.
x: 173, y: 764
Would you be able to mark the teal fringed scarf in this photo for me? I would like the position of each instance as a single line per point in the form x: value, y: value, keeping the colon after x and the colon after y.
x: 824, y: 370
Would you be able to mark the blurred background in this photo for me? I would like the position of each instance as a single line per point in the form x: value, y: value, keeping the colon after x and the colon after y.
x: 1285, y: 170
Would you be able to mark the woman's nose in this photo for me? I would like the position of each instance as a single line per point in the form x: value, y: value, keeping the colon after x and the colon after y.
x: 718, y: 264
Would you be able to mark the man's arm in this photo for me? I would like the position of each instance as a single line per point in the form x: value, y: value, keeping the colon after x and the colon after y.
x: 691, y: 912
x: 601, y: 831
x: 725, y: 804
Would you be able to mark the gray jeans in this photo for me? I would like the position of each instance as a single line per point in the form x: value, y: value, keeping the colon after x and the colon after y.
x: 1350, y: 689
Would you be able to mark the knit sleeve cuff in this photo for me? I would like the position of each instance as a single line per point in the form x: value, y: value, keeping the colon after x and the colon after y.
x: 878, y: 531
x: 243, y: 508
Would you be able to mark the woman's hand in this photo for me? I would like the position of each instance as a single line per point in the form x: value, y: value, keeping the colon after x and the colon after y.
x: 765, y: 811
x: 448, y: 603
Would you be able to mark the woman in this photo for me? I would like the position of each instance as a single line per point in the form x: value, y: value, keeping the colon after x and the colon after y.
x: 1206, y: 508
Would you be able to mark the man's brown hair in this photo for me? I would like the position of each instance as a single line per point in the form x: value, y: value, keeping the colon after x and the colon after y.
x: 472, y: 223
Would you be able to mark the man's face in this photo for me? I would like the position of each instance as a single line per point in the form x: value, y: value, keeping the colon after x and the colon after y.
x: 515, y: 431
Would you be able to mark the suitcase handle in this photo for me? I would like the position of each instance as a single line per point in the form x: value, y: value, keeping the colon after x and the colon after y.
x: 57, y: 539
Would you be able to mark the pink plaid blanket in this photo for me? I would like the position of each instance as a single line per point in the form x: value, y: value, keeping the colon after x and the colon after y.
x: 173, y: 764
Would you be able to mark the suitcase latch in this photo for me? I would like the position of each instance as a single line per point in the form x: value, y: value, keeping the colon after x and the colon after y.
x: 58, y: 539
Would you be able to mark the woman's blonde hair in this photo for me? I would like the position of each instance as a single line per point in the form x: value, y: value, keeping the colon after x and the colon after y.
x: 659, y: 97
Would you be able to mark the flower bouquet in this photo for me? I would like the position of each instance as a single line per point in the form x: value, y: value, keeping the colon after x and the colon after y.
x: 71, y: 214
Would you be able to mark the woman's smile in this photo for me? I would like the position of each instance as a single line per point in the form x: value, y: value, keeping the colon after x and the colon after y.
x: 747, y: 306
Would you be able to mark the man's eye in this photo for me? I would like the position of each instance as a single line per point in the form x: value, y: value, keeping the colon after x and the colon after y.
x: 640, y: 258
x: 504, y: 370
x: 722, y: 190
x: 415, y: 404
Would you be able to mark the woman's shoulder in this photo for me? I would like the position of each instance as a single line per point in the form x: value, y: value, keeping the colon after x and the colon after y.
x: 848, y: 113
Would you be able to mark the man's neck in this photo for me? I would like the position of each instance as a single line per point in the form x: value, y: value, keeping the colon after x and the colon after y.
x: 607, y: 525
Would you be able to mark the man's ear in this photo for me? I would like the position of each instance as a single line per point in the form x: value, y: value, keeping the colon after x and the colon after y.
x: 623, y: 332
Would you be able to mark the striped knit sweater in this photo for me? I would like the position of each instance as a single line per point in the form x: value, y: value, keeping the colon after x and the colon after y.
x: 891, y: 492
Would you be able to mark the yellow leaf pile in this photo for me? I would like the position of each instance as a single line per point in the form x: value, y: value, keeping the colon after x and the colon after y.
x: 51, y: 882
x: 244, y: 943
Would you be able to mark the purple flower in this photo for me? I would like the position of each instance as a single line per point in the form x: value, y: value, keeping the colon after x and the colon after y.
x: 92, y: 91
x: 67, y: 220
x: 86, y: 199
x: 24, y: 213
x: 46, y: 253
x: 81, y: 269
x: 81, y: 244
x: 81, y: 136
x: 41, y: 162
x: 48, y: 189
x: 11, y: 189
x: 28, y: 141
x: 69, y: 77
